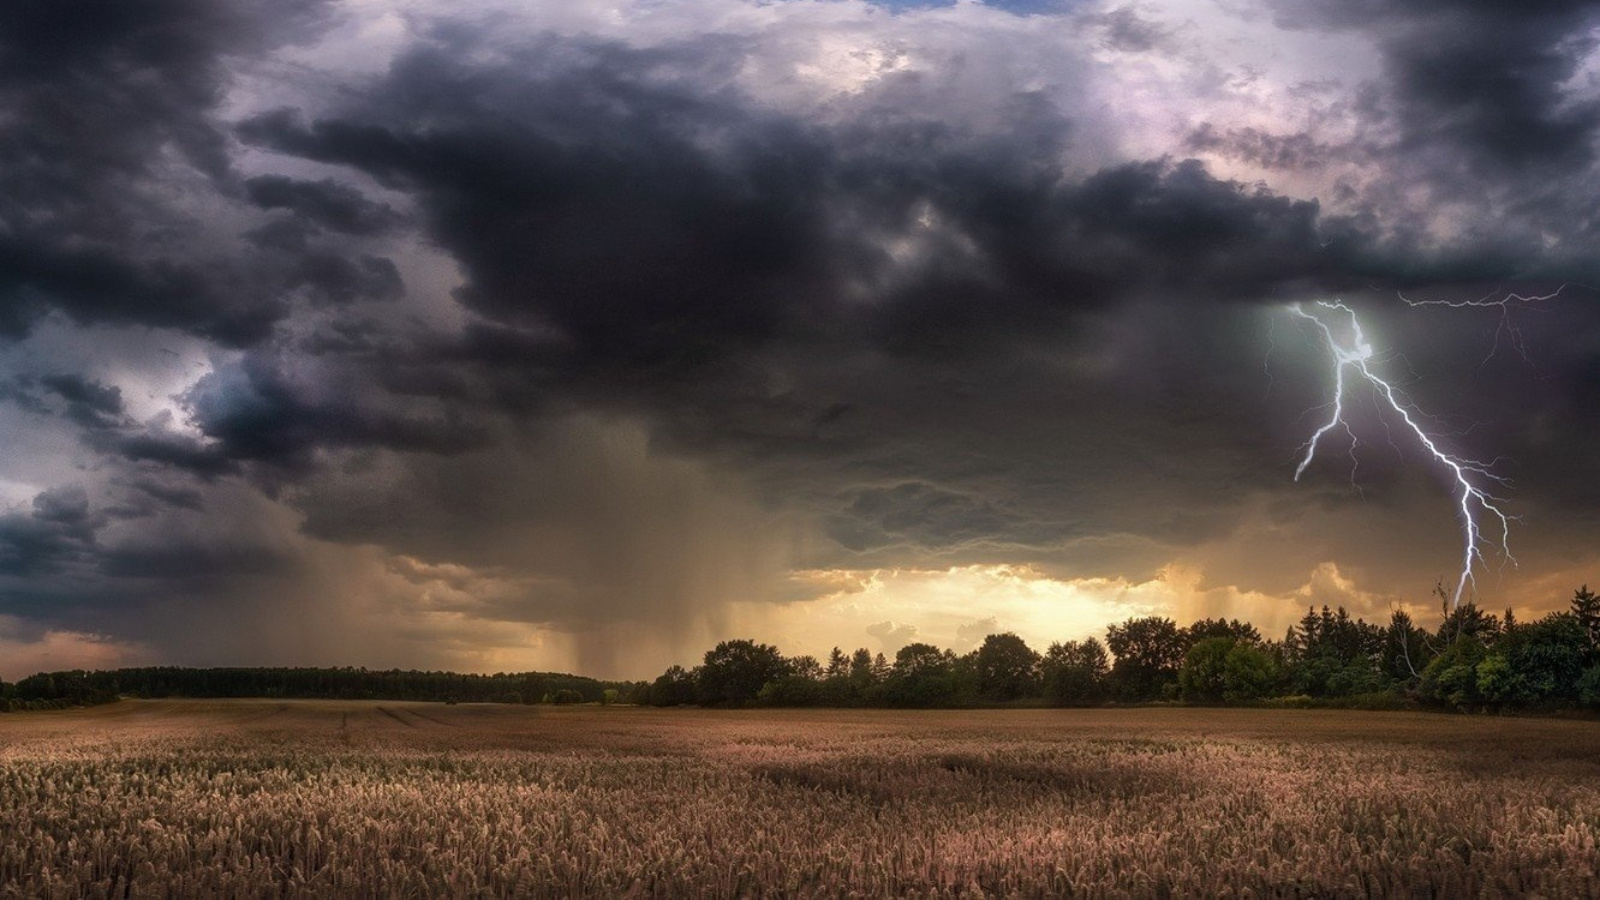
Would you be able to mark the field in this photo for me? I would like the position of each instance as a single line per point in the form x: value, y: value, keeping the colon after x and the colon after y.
x: 324, y: 798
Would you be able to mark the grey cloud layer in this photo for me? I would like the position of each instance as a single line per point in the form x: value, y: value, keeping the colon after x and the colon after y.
x: 699, y: 333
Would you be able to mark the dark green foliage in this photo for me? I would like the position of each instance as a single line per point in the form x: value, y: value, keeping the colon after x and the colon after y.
x: 1452, y: 676
x: 1586, y: 609
x: 922, y: 676
x: 1544, y: 662
x: 1332, y: 655
x: 1075, y: 673
x: 1226, y: 669
x: 1201, y: 677
x: 1538, y: 664
x: 806, y: 667
x: 674, y: 687
x: 63, y: 689
x: 79, y: 688
x: 1468, y: 621
x: 861, y: 673
x: 1006, y: 667
x: 792, y: 690
x: 1218, y: 628
x: 1589, y: 687
x: 838, y: 664
x: 1406, y: 649
x: 1249, y: 673
x: 1149, y: 652
x: 736, y: 671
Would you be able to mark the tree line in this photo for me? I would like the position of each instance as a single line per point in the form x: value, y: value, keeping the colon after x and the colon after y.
x: 1473, y: 660
x: 55, y: 690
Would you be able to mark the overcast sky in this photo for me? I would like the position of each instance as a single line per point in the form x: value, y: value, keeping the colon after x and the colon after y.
x: 578, y: 335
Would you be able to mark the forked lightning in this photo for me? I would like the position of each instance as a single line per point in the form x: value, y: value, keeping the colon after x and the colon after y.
x: 1353, y: 357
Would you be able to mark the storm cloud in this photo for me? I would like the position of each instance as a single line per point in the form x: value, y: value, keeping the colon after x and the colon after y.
x: 550, y: 337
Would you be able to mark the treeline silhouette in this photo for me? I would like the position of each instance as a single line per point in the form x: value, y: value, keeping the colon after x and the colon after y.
x: 1473, y: 660
x: 55, y: 690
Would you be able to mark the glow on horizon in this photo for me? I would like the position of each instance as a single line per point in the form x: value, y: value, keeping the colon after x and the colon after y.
x: 955, y: 607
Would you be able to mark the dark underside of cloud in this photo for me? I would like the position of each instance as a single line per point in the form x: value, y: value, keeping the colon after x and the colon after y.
x: 934, y: 343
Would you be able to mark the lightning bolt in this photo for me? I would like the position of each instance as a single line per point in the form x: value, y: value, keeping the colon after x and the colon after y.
x: 1507, y: 332
x: 1475, y: 502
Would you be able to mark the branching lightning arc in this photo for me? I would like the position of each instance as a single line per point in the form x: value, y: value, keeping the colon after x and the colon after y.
x: 1508, y: 331
x: 1475, y: 500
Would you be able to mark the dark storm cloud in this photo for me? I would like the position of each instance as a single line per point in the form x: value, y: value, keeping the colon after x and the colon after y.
x: 257, y: 412
x: 327, y: 203
x: 167, y: 449
x: 1488, y: 83
x: 686, y: 312
x: 665, y: 232
x: 919, y: 514
x: 172, y: 495
x: 39, y: 273
x: 190, y: 561
x: 1495, y: 89
x: 110, y: 106
x: 333, y: 278
x: 89, y: 403
x: 59, y: 531
x: 639, y: 243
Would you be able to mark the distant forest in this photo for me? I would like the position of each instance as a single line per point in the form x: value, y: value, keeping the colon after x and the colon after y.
x: 1473, y: 661
x: 54, y: 690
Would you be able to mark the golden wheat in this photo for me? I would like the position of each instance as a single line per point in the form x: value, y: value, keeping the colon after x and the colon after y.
x: 313, y: 799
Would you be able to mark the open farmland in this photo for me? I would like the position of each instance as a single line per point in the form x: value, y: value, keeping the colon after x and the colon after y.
x: 325, y: 798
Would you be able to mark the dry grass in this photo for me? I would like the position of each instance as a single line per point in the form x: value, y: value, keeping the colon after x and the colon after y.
x: 258, y: 798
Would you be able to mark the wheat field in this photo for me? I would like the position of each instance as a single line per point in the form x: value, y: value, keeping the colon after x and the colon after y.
x: 337, y: 799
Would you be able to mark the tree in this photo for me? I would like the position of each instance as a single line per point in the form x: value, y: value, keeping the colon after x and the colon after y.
x: 675, y: 687
x: 1452, y: 676
x: 1075, y: 672
x: 1537, y: 663
x: 736, y: 671
x: 791, y: 690
x: 880, y: 668
x: 1006, y: 667
x: 1468, y: 621
x: 1589, y: 687
x: 1586, y: 608
x: 1201, y: 677
x: 806, y: 667
x: 1331, y: 654
x: 861, y: 676
x: 917, y: 660
x: 1149, y: 652
x: 1215, y: 628
x: 922, y: 676
x: 1405, y: 648
x: 1248, y: 673
x: 838, y: 664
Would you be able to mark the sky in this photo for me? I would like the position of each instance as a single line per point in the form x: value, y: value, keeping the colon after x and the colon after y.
x: 580, y: 335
